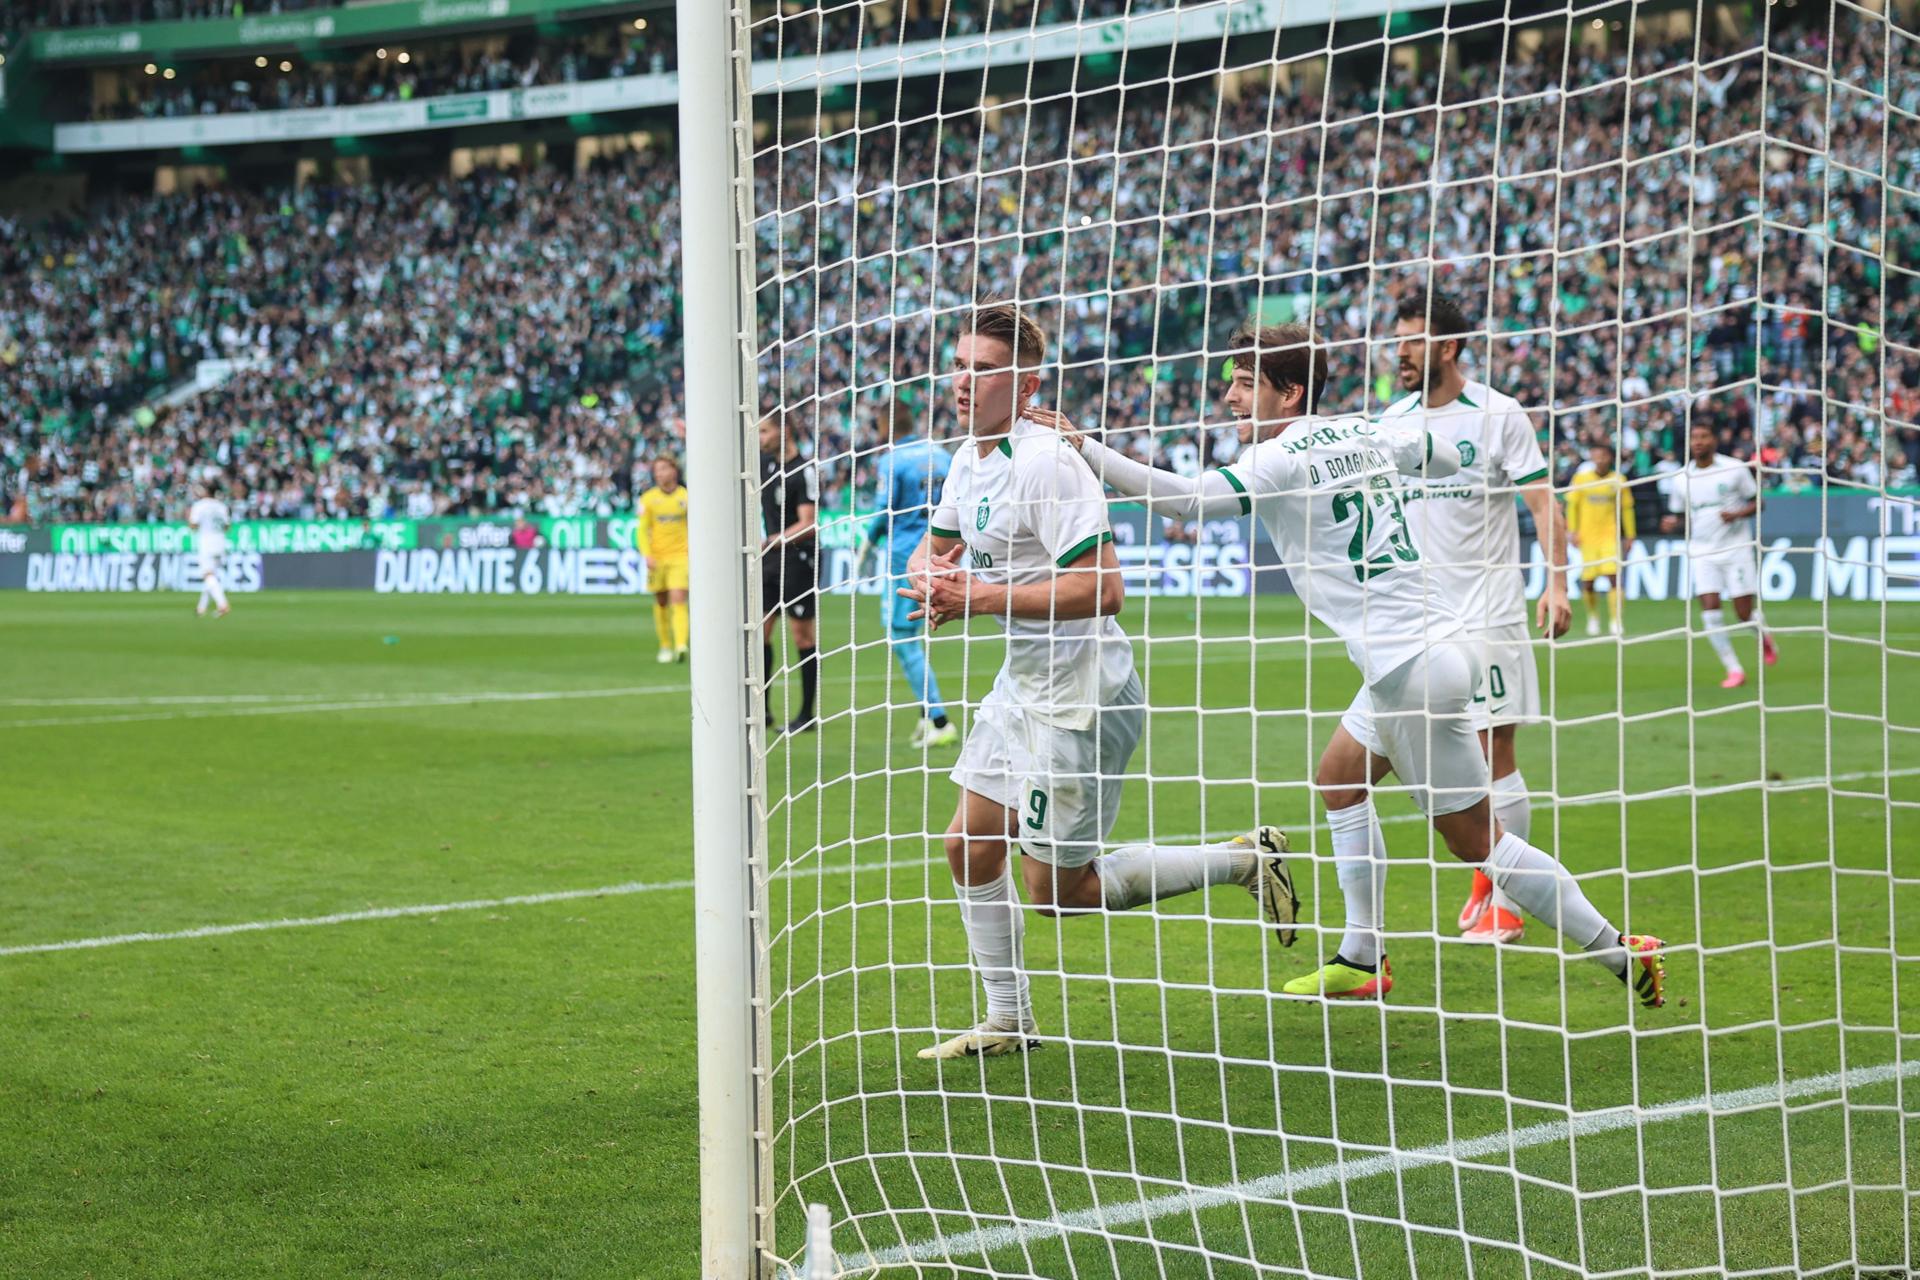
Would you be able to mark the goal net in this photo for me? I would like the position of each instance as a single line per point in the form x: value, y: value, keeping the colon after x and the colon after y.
x: 1657, y: 219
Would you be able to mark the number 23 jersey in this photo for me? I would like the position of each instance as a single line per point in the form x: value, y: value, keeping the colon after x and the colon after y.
x: 1327, y: 491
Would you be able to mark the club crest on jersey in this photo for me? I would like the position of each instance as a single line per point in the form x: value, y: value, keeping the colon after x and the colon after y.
x: 980, y: 516
x: 1466, y: 453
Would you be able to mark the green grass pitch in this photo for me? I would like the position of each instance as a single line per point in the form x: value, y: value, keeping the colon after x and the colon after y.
x: 509, y: 1090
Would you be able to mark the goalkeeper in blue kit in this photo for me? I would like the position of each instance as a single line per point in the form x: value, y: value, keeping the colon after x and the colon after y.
x: 910, y: 471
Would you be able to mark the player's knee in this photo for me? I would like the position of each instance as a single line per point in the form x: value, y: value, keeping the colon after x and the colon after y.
x: 1339, y: 798
x: 1338, y: 788
x: 975, y: 859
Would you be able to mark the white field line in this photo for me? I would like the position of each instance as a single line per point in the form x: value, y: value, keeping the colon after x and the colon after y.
x: 1281, y: 1187
x: 667, y: 886
x: 350, y: 917
x: 379, y: 702
x: 431, y: 909
x: 234, y: 699
x: 305, y: 704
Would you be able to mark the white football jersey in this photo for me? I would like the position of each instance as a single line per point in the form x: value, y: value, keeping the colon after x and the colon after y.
x: 1328, y: 492
x: 1467, y: 526
x: 1030, y: 505
x: 1725, y: 484
x: 210, y: 518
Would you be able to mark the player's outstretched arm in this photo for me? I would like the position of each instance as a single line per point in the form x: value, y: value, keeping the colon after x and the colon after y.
x: 1419, y: 453
x: 1211, y: 497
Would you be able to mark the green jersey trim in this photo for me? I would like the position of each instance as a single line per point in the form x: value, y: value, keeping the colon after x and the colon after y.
x: 1083, y: 546
x: 1246, y: 503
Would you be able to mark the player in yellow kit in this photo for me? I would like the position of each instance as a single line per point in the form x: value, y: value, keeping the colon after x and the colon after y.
x: 662, y: 537
x: 1598, y: 505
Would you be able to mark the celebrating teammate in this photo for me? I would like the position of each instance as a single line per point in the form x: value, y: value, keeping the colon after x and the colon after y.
x: 662, y: 538
x: 1468, y: 530
x: 1020, y: 534
x: 1326, y: 491
x: 1598, y: 503
x: 910, y: 473
x: 789, y: 506
x: 209, y: 517
x: 1718, y: 498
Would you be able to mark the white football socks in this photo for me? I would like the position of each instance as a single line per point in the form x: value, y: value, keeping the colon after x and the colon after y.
x: 1718, y: 637
x: 1137, y: 873
x: 218, y: 592
x: 996, y: 927
x: 1360, y: 864
x: 1550, y: 895
x: 1515, y: 810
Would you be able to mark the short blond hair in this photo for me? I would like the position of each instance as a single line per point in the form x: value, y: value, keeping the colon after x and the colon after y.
x: 1004, y: 321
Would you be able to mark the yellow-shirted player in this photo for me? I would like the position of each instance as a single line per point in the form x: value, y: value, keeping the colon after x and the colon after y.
x: 662, y: 538
x: 1599, y: 505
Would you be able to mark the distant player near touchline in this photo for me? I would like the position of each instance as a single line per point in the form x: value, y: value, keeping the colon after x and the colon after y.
x: 909, y: 474
x: 1326, y: 491
x: 661, y: 536
x: 1599, y: 502
x: 1717, y: 497
x: 1468, y: 532
x: 1020, y: 534
x: 789, y: 567
x: 209, y: 517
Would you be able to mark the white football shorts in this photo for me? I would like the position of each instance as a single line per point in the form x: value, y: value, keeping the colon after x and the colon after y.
x: 1509, y: 691
x: 1727, y: 574
x: 1421, y: 717
x: 1063, y: 784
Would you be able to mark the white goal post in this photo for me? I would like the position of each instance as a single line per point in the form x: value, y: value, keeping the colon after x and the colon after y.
x: 1655, y: 216
x: 729, y: 826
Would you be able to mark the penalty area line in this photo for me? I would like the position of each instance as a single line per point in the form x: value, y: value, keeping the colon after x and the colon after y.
x: 1279, y: 1188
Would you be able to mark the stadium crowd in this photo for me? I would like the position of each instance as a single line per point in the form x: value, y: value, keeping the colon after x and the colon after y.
x: 486, y: 344
x: 507, y: 342
x: 1159, y: 223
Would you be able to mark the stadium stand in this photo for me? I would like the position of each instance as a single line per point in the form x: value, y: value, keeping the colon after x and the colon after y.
x: 374, y: 73
x: 471, y: 345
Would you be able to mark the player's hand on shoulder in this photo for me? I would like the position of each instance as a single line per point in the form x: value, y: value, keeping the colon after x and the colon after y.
x: 1054, y: 420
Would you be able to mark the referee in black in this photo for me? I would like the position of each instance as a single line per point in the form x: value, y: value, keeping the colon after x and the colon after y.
x: 789, y: 554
